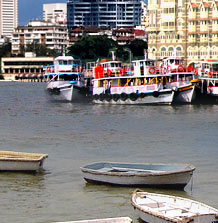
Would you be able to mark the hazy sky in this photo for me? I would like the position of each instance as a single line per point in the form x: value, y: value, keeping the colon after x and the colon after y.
x: 32, y: 9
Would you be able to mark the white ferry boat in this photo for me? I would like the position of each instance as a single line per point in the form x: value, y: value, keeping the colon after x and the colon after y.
x: 141, y: 85
x: 183, y: 80
x: 207, y: 73
x: 65, y: 80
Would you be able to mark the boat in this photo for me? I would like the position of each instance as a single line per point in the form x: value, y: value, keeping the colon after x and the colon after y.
x: 160, y: 208
x: 65, y: 80
x: 21, y: 161
x: 105, y: 220
x: 207, y: 73
x: 183, y: 80
x: 139, y: 84
x: 130, y: 174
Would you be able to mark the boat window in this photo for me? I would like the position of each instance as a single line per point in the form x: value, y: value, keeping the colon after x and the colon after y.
x: 174, y: 78
x: 101, y: 83
x: 115, y: 82
x: 188, y: 77
x: 123, y: 81
x: 177, y: 62
x: 215, y: 67
x: 141, y: 81
x: 66, y: 77
x: 171, y: 61
x: 181, y: 78
x: 207, y: 66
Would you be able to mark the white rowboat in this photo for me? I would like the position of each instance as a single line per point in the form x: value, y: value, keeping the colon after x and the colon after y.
x: 19, y: 161
x: 106, y: 220
x: 126, y: 174
x: 159, y: 208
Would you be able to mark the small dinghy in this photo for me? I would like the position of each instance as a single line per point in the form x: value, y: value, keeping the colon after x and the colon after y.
x: 126, y: 174
x: 105, y: 220
x: 160, y: 208
x: 19, y: 161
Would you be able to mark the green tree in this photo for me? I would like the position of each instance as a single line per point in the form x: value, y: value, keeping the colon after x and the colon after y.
x: 138, y: 47
x: 92, y: 47
x: 39, y: 49
x: 5, y: 51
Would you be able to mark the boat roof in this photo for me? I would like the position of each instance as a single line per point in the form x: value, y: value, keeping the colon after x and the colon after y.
x: 64, y: 58
x: 205, y: 61
x: 172, y: 58
x: 149, y: 60
x: 110, y: 61
x: 134, y: 76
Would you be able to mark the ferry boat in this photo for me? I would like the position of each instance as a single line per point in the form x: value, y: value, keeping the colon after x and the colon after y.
x: 183, y: 80
x: 65, y: 80
x: 207, y: 73
x: 141, y: 84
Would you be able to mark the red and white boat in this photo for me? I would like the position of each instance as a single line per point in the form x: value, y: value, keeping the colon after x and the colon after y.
x: 183, y: 80
x: 140, y: 84
x: 207, y: 73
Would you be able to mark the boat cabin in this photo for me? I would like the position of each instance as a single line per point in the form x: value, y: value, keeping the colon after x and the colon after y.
x: 63, y: 64
x: 172, y: 64
x: 111, y: 68
x: 206, y: 68
x: 144, y: 67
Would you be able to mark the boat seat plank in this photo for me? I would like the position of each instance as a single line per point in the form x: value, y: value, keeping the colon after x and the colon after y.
x: 122, y: 169
x: 154, y: 205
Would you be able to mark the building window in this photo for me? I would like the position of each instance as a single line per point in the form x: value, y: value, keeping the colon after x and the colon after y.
x: 170, y: 51
x: 163, y: 52
x: 178, y: 51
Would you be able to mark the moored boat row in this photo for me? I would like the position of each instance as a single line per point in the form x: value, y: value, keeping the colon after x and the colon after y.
x: 113, y: 83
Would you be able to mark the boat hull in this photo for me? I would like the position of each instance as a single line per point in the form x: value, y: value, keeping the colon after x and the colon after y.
x: 178, y: 181
x: 105, y: 220
x: 18, y: 161
x: 63, y: 91
x: 157, y: 97
x: 132, y: 177
x: 185, y: 94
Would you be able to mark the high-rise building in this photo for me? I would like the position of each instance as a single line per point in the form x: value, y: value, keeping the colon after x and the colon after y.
x: 104, y: 13
x: 53, y: 36
x: 8, y: 17
x: 184, y: 28
x: 55, y: 13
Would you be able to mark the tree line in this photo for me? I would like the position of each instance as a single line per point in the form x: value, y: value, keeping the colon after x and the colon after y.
x: 87, y: 48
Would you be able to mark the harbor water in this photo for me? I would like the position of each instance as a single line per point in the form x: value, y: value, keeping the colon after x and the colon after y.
x: 76, y: 134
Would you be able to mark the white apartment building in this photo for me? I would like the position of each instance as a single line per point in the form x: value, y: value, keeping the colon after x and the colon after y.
x: 54, y: 36
x: 55, y: 13
x: 8, y: 17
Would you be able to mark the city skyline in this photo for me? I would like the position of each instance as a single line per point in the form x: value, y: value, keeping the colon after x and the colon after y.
x: 31, y: 9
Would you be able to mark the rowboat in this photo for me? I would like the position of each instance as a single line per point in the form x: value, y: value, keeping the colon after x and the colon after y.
x: 126, y: 174
x: 160, y: 208
x: 106, y: 220
x: 20, y: 161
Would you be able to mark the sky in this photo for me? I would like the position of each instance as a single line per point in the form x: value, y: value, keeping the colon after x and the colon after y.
x: 32, y: 9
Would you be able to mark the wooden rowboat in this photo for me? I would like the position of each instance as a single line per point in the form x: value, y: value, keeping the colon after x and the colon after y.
x: 159, y: 208
x: 126, y: 174
x: 20, y: 161
x: 106, y: 220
